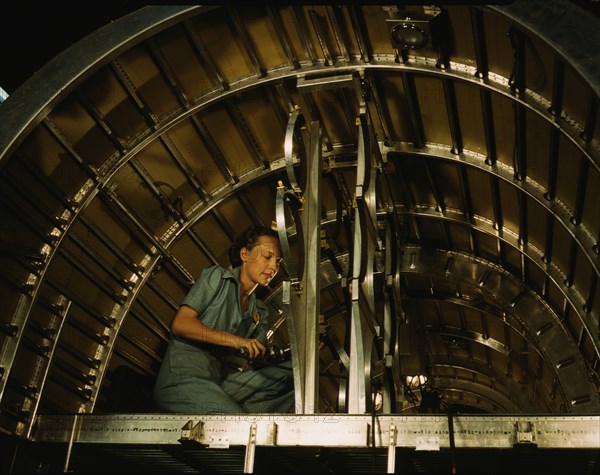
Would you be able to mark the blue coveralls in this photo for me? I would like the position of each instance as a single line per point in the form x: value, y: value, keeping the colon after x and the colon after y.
x: 192, y: 379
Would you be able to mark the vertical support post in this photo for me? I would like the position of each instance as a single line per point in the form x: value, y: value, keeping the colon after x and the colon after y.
x: 303, y: 309
x: 250, y: 450
x: 70, y: 446
x: 312, y: 239
x: 391, y: 465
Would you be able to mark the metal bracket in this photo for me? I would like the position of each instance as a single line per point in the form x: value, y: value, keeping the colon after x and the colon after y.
x: 192, y: 432
x: 525, y: 433
x: 250, y: 450
x: 391, y: 465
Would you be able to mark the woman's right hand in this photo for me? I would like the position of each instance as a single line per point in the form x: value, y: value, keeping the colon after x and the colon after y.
x: 252, y: 348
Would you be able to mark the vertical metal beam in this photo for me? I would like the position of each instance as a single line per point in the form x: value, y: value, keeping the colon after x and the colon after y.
x: 205, y: 58
x: 214, y: 150
x: 589, y: 301
x: 523, y: 229
x: 336, y: 26
x: 250, y: 450
x: 495, y: 189
x: 558, y: 89
x: 479, y: 42
x: 488, y: 126
x: 168, y: 73
x: 465, y: 190
x: 303, y: 309
x: 251, y: 51
x: 373, y: 92
x: 298, y: 18
x: 391, y: 460
x: 498, y: 219
x: 453, y: 117
x: 412, y: 101
x: 311, y: 217
x: 362, y: 319
x: 573, y: 248
x: 359, y: 31
x: 584, y: 167
x: 517, y: 76
x: 590, y: 120
x: 440, y: 206
x: 552, y: 163
x: 240, y: 123
x: 520, y: 151
x: 183, y: 165
x: 316, y: 22
x: 274, y: 16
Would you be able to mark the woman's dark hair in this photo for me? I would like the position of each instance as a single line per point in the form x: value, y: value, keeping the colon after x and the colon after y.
x: 248, y: 239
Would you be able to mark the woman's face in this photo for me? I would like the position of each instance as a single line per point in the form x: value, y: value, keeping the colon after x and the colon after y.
x: 262, y: 261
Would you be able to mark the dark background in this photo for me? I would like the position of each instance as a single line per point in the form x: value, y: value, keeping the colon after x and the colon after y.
x: 32, y: 33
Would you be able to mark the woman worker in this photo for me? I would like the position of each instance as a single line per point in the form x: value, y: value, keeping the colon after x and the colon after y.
x: 219, y: 315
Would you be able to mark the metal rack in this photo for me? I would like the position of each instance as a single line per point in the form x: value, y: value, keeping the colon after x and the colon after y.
x: 289, y: 432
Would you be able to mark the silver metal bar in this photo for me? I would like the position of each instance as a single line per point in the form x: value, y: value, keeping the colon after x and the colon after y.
x: 311, y: 216
x: 331, y: 81
x: 250, y: 450
x: 246, y: 133
x: 133, y: 93
x: 316, y: 23
x: 214, y: 150
x: 274, y: 15
x: 298, y: 367
x: 349, y: 114
x: 188, y: 172
x: 332, y: 14
x: 315, y: 114
x: 289, y: 261
x: 205, y: 57
x: 359, y: 32
x: 70, y: 446
x: 298, y: 19
x: 242, y: 33
x: 295, y: 122
x: 114, y: 198
x: 391, y: 460
x: 382, y: 114
x: 168, y: 73
x: 326, y: 430
x: 453, y: 116
x: 365, y: 181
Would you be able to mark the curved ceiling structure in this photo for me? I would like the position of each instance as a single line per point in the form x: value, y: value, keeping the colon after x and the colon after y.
x: 457, y: 190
